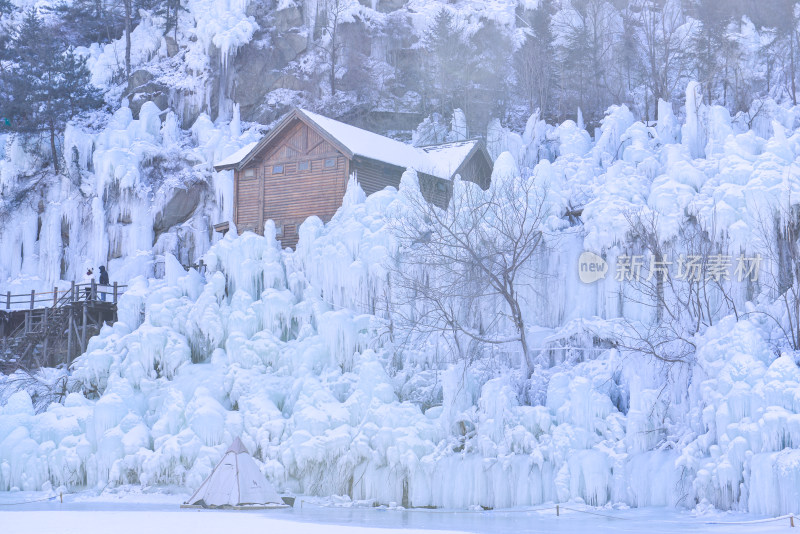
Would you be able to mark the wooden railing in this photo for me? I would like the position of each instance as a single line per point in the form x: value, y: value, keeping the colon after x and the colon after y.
x: 49, y: 328
x: 60, y: 297
x: 78, y: 292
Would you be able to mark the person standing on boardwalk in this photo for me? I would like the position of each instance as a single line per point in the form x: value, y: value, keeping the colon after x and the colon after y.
x: 103, y: 281
x: 88, y: 278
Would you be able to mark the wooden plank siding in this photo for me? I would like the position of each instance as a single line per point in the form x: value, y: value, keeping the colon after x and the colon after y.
x: 285, y: 178
x: 476, y: 169
x: 248, y: 205
x: 286, y: 193
x: 435, y: 190
x: 375, y: 175
x: 290, y: 198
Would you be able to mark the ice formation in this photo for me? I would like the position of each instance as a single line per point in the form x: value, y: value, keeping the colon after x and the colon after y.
x: 292, y: 351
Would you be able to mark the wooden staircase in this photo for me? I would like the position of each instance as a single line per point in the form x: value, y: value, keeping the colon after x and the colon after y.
x: 52, y: 335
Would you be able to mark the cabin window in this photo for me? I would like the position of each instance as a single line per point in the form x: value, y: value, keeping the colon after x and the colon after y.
x: 277, y: 169
x: 284, y: 230
x: 302, y: 165
x: 249, y: 173
x: 330, y: 162
x: 440, y: 186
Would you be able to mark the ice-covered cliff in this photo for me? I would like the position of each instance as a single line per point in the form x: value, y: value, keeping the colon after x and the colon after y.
x: 291, y: 351
x: 294, y: 351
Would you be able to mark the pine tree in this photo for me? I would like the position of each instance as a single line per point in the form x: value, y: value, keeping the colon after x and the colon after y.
x: 486, y: 90
x: 170, y: 10
x: 712, y: 47
x: 585, y: 56
x: 533, y: 62
x: 6, y: 7
x: 48, y: 85
x: 783, y: 52
x: 449, y: 62
x: 82, y: 22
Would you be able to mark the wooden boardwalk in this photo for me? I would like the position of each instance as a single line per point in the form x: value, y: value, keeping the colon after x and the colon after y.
x: 50, y: 329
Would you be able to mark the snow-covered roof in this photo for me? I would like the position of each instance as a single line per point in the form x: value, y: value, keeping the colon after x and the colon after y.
x: 447, y: 158
x: 441, y: 161
x: 237, y: 156
x: 371, y: 145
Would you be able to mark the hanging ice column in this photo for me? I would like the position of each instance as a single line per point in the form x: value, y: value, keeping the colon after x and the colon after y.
x: 694, y: 132
x: 667, y: 128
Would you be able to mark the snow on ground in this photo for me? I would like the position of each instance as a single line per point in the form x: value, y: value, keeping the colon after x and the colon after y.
x: 161, y: 513
x: 158, y: 522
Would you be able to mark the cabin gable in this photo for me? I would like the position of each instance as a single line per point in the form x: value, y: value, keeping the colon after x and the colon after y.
x: 373, y: 175
x: 297, y: 174
x: 300, y: 140
x: 477, y: 167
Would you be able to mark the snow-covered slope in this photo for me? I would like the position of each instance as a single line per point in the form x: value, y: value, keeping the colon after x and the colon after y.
x: 294, y: 352
x: 287, y: 350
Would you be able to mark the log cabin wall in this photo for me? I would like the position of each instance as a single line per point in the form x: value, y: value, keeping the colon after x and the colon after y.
x: 300, y: 172
x: 375, y: 175
x: 300, y: 175
x: 435, y: 190
x: 247, y: 206
x: 439, y: 191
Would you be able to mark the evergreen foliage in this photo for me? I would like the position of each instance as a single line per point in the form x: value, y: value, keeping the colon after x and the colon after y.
x: 170, y: 10
x: 533, y: 61
x: 6, y: 7
x: 557, y: 56
x: 45, y: 83
x: 82, y: 22
x: 449, y: 61
x: 714, y: 49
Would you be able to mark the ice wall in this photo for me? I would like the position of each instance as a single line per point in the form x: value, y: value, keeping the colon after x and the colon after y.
x: 291, y: 351
x: 135, y: 190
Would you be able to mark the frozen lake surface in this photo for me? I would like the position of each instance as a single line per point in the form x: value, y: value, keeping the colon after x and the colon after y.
x: 154, y: 513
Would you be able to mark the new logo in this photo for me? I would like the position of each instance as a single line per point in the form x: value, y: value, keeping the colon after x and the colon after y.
x: 591, y: 267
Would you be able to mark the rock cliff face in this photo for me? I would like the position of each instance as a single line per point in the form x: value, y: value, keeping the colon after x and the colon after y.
x: 138, y: 182
x: 280, y: 59
x: 258, y: 67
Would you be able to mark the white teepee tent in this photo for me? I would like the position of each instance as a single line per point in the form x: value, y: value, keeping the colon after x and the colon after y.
x: 235, y: 481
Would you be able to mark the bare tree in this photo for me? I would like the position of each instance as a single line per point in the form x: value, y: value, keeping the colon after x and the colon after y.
x: 454, y: 263
x: 685, y: 281
x: 533, y: 60
x: 664, y: 41
x: 330, y: 17
x: 128, y: 23
x: 779, y: 237
x: 788, y: 33
x: 590, y: 31
x: 45, y: 386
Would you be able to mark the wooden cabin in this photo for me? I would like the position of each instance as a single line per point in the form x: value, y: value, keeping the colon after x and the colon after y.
x: 302, y: 166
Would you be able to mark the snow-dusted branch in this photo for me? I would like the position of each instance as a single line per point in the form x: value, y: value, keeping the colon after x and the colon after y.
x: 471, y: 255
